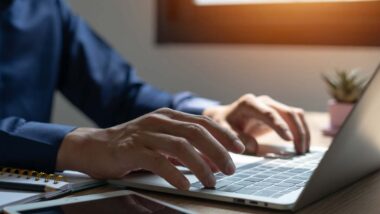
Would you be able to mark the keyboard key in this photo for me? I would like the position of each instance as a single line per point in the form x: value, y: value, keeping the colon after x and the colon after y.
x: 245, y: 174
x: 254, y: 179
x: 269, y: 173
x: 265, y: 193
x: 254, y: 170
x: 255, y: 187
x: 271, y: 180
x: 284, y: 185
x: 244, y: 183
x: 198, y: 185
x: 289, y: 174
x: 232, y: 188
x: 281, y: 169
x: 293, y: 181
x: 220, y: 176
x: 261, y: 176
x: 267, y: 167
x: 221, y: 184
x: 281, y: 177
x: 232, y: 179
x: 299, y: 170
x: 264, y: 184
x: 240, y: 176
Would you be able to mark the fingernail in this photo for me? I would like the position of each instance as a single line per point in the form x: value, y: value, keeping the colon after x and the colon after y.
x: 239, y: 146
x: 230, y: 169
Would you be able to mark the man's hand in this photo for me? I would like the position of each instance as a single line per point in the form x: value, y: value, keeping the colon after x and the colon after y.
x: 252, y: 116
x: 150, y: 142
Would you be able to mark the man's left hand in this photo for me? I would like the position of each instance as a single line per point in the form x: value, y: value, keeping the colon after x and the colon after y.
x: 251, y: 116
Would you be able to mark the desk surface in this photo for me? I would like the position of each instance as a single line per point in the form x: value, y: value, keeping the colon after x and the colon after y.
x: 362, y: 197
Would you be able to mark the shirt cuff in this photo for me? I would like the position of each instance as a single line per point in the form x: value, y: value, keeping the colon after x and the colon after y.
x: 39, y: 144
x: 187, y: 102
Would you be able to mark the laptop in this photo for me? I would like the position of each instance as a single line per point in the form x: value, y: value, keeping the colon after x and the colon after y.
x: 290, y: 184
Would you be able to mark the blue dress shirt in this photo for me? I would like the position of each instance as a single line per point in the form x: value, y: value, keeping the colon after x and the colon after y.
x: 45, y: 47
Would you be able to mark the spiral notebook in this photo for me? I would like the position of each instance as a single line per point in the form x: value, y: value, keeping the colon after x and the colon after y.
x: 23, y: 186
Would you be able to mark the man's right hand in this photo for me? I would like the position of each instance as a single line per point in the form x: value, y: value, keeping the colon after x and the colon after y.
x: 151, y: 142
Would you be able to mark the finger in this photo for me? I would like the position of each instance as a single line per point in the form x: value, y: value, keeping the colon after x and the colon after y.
x: 161, y: 166
x: 250, y: 143
x: 212, y: 166
x: 301, y: 115
x: 199, y: 137
x: 256, y: 109
x: 175, y: 161
x: 297, y: 130
x: 297, y: 124
x: 184, y: 152
x: 225, y: 137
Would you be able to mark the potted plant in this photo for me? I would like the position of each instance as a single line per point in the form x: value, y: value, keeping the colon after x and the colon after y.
x: 345, y: 87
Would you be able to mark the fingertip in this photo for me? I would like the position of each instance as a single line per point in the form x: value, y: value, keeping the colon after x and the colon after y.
x: 239, y: 146
x: 184, y: 185
x: 230, y: 169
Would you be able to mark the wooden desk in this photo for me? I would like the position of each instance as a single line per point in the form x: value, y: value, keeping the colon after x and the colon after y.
x: 362, y: 197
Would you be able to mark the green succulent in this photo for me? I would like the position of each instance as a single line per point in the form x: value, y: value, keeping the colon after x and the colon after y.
x: 345, y: 85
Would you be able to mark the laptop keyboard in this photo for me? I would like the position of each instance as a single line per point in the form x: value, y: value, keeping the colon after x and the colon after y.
x: 269, y: 177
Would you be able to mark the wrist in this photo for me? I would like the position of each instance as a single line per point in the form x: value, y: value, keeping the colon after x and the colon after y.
x: 71, y: 152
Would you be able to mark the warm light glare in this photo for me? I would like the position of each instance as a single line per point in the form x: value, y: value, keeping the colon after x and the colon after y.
x: 232, y: 2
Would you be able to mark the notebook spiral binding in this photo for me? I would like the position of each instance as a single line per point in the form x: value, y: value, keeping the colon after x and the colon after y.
x: 30, y: 174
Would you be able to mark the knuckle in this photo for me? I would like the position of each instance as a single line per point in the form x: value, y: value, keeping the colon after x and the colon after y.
x: 194, y: 128
x: 265, y: 97
x: 134, y: 136
x: 154, y: 117
x: 245, y: 103
x: 164, y: 111
x: 204, y: 119
x: 248, y: 96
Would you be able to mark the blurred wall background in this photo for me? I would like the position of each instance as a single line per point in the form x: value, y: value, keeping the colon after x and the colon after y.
x: 224, y: 72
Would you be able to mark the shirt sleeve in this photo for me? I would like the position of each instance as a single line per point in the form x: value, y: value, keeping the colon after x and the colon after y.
x: 30, y: 145
x: 97, y: 80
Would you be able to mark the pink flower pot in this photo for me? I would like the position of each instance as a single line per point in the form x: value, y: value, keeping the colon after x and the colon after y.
x: 338, y: 114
